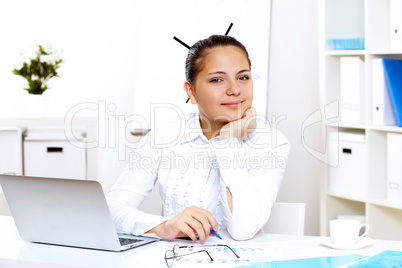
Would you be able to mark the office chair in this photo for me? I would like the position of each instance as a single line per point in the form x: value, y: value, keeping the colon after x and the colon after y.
x: 286, y: 218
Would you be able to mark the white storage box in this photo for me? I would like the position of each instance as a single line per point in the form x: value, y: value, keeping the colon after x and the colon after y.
x: 48, y: 153
x: 349, y: 178
x: 11, y: 151
x: 394, y: 168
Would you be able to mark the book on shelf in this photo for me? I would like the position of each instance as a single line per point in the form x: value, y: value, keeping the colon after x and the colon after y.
x: 393, y: 78
x: 382, y: 112
x: 352, y: 90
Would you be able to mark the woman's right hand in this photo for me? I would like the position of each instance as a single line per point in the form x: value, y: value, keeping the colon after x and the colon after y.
x: 191, y: 221
x: 241, y: 127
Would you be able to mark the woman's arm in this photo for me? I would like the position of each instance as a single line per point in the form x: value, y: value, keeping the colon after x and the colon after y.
x: 131, y: 188
x: 252, y: 173
x: 238, y: 129
x: 127, y: 194
x: 253, y: 191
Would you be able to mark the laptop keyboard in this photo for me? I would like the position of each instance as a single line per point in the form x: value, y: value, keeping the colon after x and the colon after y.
x: 126, y: 241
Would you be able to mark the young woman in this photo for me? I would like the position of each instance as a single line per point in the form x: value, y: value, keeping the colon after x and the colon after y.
x: 220, y: 168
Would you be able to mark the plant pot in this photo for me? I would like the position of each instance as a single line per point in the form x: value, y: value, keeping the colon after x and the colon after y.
x: 35, y: 105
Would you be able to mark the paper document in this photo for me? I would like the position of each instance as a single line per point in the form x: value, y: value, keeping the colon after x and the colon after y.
x: 251, y: 252
x: 223, y: 257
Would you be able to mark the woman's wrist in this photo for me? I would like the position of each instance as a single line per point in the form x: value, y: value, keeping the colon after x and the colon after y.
x: 158, y: 230
x: 240, y: 128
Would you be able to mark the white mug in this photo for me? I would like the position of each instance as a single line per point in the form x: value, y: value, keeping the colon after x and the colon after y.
x: 346, y: 232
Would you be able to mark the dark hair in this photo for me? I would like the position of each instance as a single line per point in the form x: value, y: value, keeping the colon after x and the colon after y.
x: 198, y: 52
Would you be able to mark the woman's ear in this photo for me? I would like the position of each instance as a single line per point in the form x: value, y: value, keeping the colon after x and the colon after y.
x: 190, y: 92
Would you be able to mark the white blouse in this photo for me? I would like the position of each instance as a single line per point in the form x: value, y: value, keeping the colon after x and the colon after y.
x: 191, y: 170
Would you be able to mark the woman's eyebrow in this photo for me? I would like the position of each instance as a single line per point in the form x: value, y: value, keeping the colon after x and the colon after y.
x: 222, y: 72
x: 243, y: 71
x: 217, y: 72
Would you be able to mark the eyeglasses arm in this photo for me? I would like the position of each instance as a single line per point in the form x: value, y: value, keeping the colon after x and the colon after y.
x: 203, y: 250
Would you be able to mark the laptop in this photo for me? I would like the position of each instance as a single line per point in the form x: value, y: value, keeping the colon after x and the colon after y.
x: 64, y: 212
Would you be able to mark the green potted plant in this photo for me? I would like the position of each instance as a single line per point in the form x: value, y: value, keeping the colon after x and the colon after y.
x: 38, y: 65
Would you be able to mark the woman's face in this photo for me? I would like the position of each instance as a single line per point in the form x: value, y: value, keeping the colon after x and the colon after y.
x: 223, y: 89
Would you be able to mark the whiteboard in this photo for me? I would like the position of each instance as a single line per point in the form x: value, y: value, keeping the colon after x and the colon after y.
x: 161, y: 61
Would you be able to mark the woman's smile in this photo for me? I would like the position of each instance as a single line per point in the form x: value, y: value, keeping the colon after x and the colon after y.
x: 233, y: 104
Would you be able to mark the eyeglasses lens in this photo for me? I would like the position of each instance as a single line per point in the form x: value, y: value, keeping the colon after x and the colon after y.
x: 169, y: 258
x: 177, y: 252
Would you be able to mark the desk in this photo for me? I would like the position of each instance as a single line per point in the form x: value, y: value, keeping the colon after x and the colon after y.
x: 14, y: 252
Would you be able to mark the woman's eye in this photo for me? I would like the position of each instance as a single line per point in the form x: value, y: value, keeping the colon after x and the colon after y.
x: 216, y: 80
x: 244, y: 77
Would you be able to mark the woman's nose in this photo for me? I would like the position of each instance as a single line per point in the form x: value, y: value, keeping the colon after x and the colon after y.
x: 233, y: 88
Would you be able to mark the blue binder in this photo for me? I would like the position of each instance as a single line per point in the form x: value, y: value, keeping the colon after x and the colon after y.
x: 385, y: 259
x: 393, y: 78
x: 322, y: 262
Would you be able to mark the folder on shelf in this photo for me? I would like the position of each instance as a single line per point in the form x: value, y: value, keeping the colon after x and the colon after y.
x: 352, y: 90
x: 393, y: 78
x: 394, y: 167
x: 395, y: 23
x: 346, y: 44
x: 382, y: 112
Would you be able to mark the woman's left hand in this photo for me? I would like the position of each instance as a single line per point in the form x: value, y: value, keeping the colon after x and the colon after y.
x: 241, y: 127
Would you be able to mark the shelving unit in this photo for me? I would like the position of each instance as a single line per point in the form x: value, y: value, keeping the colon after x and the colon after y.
x: 353, y: 19
x: 20, y: 124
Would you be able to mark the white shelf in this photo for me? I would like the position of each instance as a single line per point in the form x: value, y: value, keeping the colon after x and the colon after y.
x: 362, y: 52
x: 385, y: 203
x: 387, y: 128
x: 384, y: 52
x: 344, y: 52
x: 346, y: 197
x: 395, y: 129
x: 342, y: 19
x: 347, y: 125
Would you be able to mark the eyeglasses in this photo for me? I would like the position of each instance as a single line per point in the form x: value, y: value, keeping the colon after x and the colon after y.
x: 175, y: 254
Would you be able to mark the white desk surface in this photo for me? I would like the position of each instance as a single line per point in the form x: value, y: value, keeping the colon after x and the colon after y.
x: 14, y: 252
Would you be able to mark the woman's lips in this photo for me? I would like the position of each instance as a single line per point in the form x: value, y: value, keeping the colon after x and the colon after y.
x: 232, y: 104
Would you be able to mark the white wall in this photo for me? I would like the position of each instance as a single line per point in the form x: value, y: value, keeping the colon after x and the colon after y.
x: 99, y: 41
x: 293, y: 92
